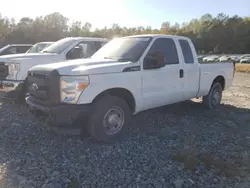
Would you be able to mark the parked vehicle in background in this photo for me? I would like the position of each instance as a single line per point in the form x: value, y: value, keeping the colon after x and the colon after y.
x: 235, y: 58
x: 39, y: 47
x: 200, y: 57
x: 126, y: 76
x: 245, y: 59
x: 211, y: 58
x: 14, y: 49
x: 14, y: 68
x: 224, y: 58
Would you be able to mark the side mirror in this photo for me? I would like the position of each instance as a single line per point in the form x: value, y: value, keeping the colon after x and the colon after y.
x: 154, y: 60
x: 75, y: 53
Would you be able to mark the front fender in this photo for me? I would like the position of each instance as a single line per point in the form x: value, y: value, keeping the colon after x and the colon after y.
x: 102, y: 82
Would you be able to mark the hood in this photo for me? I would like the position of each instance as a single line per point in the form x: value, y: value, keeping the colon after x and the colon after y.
x: 18, y: 57
x: 84, y: 66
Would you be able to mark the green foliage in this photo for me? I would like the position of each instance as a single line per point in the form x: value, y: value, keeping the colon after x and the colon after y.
x: 220, y: 34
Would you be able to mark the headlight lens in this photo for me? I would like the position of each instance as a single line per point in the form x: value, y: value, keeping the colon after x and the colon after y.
x: 13, y: 70
x: 72, y: 87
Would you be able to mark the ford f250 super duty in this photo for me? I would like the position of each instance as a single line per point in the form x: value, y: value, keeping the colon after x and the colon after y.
x: 126, y: 76
x: 14, y: 68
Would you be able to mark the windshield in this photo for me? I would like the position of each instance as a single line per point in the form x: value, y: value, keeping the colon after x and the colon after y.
x: 59, y: 46
x: 4, y: 48
x: 127, y: 49
x: 37, y: 47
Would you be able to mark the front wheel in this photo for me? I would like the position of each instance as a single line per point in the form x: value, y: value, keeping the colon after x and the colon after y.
x: 23, y: 93
x: 109, y: 119
x: 213, y: 98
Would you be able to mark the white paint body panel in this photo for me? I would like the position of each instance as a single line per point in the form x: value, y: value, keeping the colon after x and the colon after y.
x: 210, y: 71
x: 150, y: 88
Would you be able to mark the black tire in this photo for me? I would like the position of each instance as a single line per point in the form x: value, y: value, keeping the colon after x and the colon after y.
x: 97, y: 125
x: 213, y: 98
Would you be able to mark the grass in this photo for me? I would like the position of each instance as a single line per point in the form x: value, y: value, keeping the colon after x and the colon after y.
x: 74, y: 183
x: 242, y: 68
x: 191, y: 159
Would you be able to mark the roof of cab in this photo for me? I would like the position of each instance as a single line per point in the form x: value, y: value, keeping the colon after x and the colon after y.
x: 21, y: 44
x: 158, y: 36
x: 45, y: 42
x: 89, y: 38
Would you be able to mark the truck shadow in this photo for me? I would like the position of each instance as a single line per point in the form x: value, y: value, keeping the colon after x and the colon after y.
x: 223, y: 113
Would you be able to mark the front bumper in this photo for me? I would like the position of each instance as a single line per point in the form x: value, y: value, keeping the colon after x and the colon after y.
x: 61, y: 113
x: 11, y: 89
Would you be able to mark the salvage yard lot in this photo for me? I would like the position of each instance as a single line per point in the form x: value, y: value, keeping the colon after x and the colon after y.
x: 181, y: 145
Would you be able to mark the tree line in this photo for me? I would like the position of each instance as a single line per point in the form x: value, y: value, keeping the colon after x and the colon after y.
x: 220, y: 34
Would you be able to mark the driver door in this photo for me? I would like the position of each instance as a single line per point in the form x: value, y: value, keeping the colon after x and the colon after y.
x: 162, y: 86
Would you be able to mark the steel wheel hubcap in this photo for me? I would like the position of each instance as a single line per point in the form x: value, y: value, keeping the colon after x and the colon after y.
x: 113, y: 120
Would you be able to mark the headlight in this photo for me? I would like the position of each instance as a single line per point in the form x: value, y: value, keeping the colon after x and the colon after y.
x: 72, y: 87
x: 13, y: 70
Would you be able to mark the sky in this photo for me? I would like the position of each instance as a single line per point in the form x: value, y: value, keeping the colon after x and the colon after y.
x: 129, y: 13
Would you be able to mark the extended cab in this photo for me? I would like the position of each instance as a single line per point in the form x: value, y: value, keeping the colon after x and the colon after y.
x: 128, y: 75
x: 14, y: 68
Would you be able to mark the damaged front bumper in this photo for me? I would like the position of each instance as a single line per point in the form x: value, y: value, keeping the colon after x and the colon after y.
x: 11, y: 89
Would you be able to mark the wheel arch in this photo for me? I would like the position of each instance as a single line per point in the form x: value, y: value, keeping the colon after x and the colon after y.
x: 220, y: 79
x: 122, y: 93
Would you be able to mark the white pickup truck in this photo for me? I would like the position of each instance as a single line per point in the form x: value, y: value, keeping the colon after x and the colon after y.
x: 14, y: 68
x: 126, y: 76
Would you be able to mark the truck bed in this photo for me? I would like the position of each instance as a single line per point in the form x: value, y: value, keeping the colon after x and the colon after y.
x: 210, y: 70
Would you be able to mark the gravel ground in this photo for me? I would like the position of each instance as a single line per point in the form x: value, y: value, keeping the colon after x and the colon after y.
x: 181, y: 145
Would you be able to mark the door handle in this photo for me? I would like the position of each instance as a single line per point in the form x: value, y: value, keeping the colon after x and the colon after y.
x: 181, y: 73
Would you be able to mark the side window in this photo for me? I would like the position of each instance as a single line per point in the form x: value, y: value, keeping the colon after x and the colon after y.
x: 168, y: 49
x: 186, y: 51
x: 81, y: 50
x: 22, y: 49
x: 98, y: 45
x: 11, y: 50
x: 103, y: 43
x: 88, y: 48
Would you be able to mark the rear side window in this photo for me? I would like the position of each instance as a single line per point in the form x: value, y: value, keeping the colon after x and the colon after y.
x: 168, y: 48
x: 186, y: 51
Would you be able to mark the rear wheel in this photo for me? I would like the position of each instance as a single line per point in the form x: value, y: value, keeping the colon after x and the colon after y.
x: 109, y: 119
x: 213, y: 98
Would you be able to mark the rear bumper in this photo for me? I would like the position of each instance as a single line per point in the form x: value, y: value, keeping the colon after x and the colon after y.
x: 62, y: 113
x: 11, y: 89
